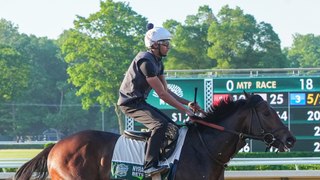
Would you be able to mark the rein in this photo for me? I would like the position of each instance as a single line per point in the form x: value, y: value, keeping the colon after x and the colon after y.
x: 267, y: 137
x: 221, y: 128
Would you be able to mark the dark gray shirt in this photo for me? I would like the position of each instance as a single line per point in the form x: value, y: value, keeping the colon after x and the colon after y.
x: 134, y: 85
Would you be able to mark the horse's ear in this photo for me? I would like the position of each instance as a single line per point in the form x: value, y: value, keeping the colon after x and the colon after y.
x: 246, y: 94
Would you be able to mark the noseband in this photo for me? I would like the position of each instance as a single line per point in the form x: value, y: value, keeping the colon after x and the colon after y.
x: 267, y: 137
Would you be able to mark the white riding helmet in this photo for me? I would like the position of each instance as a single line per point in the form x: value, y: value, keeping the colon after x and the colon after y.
x: 156, y: 34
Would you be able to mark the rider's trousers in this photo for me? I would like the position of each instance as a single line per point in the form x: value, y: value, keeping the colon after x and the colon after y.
x: 156, y: 121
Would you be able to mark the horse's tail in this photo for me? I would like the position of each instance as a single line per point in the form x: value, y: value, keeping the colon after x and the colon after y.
x: 36, y: 165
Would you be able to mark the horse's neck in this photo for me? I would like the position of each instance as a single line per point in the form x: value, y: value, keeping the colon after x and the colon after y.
x: 223, y: 144
x: 194, y: 153
x: 215, y: 148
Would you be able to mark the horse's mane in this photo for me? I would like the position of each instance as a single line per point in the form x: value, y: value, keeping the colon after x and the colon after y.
x: 221, y: 109
x: 227, y: 105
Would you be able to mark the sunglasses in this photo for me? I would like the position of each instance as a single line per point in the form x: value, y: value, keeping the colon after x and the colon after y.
x: 165, y: 43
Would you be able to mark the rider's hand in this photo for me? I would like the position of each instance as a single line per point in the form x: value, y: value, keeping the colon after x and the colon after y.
x: 191, y: 115
x: 195, y: 107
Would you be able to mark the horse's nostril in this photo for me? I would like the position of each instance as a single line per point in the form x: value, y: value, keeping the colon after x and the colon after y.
x: 290, y: 141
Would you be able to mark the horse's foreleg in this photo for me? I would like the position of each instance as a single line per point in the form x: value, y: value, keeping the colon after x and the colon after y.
x: 221, y: 176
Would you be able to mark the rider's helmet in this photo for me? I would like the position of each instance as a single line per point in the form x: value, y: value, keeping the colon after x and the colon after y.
x: 155, y: 34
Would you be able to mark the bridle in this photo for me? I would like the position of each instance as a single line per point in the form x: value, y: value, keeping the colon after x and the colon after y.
x: 267, y: 137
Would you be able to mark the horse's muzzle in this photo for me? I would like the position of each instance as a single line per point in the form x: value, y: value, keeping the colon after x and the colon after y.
x: 290, y: 141
x: 285, y: 144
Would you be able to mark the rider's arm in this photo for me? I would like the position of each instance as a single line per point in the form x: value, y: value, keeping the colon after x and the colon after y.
x: 180, y: 99
x: 193, y: 105
x: 160, y: 89
x: 158, y: 83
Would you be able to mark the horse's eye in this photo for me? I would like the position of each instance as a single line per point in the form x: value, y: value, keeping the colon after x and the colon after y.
x: 267, y: 113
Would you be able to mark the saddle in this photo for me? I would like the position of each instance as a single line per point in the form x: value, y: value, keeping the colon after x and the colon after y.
x: 129, y: 153
x: 167, y: 147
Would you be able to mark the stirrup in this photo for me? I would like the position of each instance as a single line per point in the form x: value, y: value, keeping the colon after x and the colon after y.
x: 155, y: 170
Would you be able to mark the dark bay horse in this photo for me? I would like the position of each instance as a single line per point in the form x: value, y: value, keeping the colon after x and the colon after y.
x: 210, y: 143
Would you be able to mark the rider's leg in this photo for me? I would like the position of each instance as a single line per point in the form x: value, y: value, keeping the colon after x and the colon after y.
x: 154, y: 120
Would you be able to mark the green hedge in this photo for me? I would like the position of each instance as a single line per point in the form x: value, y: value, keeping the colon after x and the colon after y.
x: 25, y: 146
x: 21, y: 146
x: 275, y: 155
x: 274, y: 167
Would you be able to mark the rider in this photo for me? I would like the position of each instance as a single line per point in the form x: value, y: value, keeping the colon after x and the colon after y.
x: 146, y: 72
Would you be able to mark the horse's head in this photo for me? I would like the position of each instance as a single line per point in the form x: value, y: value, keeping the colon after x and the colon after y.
x: 256, y: 120
x: 266, y: 125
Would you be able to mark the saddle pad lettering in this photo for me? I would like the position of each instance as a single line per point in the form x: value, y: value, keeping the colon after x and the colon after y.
x: 128, y: 159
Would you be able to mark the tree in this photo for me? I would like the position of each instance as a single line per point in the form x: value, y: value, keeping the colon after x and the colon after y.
x: 42, y: 97
x: 305, y: 51
x: 237, y: 41
x: 8, y: 32
x: 14, y: 68
x: 98, y: 52
x: 33, y: 78
x: 190, y: 41
x: 13, y: 74
x: 13, y: 79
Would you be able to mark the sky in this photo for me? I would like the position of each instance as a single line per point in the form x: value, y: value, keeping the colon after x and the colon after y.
x: 51, y: 17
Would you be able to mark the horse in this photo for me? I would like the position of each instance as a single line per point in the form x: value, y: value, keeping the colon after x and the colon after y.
x: 212, y: 140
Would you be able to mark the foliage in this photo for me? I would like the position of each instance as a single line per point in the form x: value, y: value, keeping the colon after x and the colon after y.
x: 33, y: 85
x: 305, y: 51
x: 238, y: 41
x: 190, y: 41
x: 14, y: 68
x: 276, y: 155
x: 99, y: 49
x: 275, y: 167
x: 46, y: 83
x: 48, y: 144
x: 13, y: 80
x: 20, y: 146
